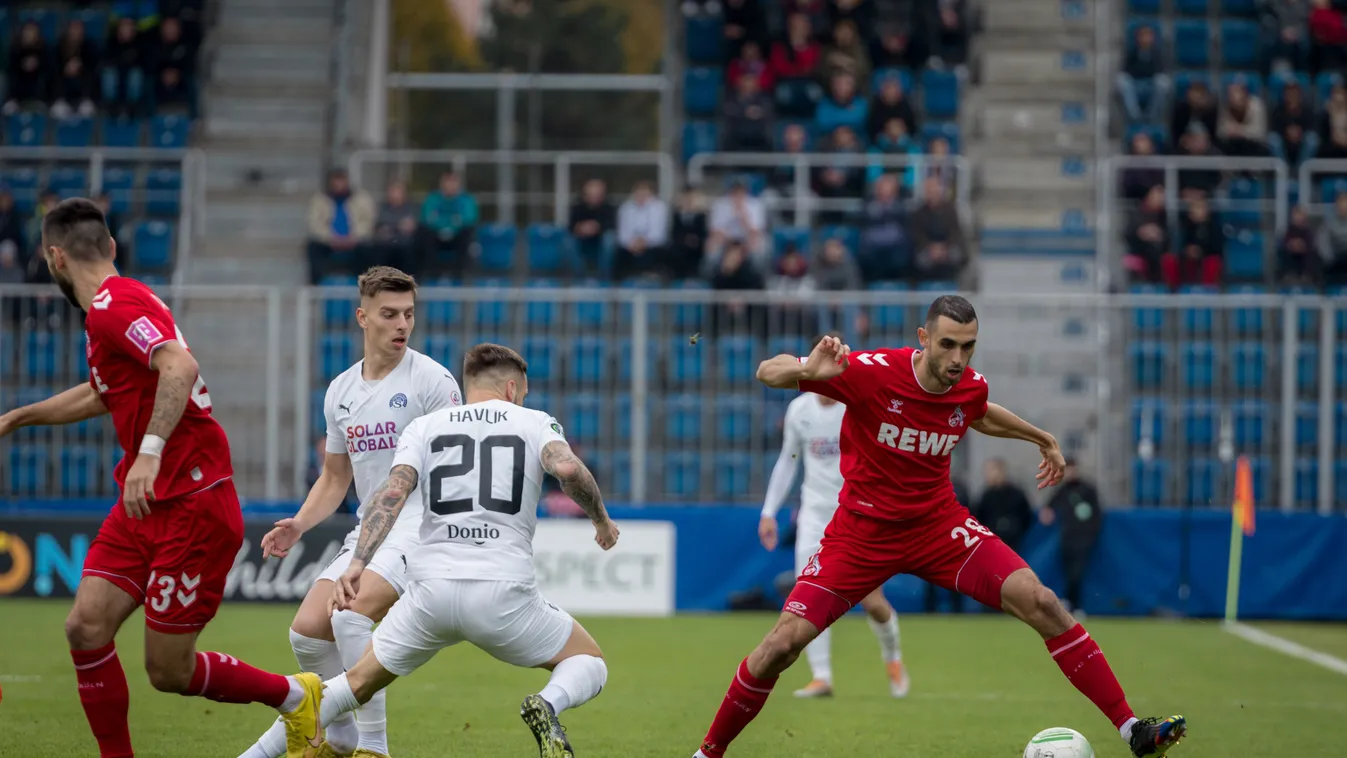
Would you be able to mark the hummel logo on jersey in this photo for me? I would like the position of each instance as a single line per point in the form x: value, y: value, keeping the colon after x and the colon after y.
x: 957, y: 418
x: 911, y: 440
x: 871, y: 359
x: 102, y: 300
x: 895, y: 406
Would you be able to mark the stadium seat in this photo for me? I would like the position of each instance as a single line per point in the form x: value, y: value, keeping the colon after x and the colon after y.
x: 682, y: 474
x: 1199, y: 424
x: 1197, y: 320
x: 1252, y: 419
x: 940, y: 93
x: 69, y: 181
x: 163, y: 190
x: 850, y: 236
x: 42, y: 351
x: 1198, y: 365
x: 1307, y: 424
x: 26, y: 130
x: 317, y: 415
x: 79, y: 470
x: 1307, y: 367
x: 904, y: 76
x: 1247, y: 322
x: 1324, y: 83
x: 625, y: 353
x: 700, y: 137
x: 1241, y: 46
x: 1340, y: 367
x: 536, y: 400
x: 589, y: 314
x: 1148, y: 320
x: 702, y: 87
x: 541, y: 314
x: 1252, y: 81
x: 118, y: 183
x: 797, y: 98
x: 734, y: 419
x: 622, y: 416
x: 1191, y: 7
x: 77, y: 131
x: 545, y: 242
x: 441, y: 314
x: 1150, y: 364
x: 1144, y: 6
x: 734, y: 475
x: 445, y: 351
x: 1307, y: 482
x: 492, y: 313
x: 23, y: 184
x: 773, y: 420
x: 888, y: 319
x: 7, y: 360
x: 1277, y: 82
x: 1340, y: 424
x: 337, y: 311
x: 1202, y: 476
x: 336, y: 353
x: 683, y: 418
x: 619, y: 476
x: 788, y: 345
x: 1245, y: 203
x: 933, y: 130
x: 122, y: 132
x: 1248, y: 364
x: 28, y: 466
x: 1340, y: 480
x: 584, y: 414
x: 169, y: 131
x: 685, y: 363
x: 705, y: 36
x: 89, y: 430
x: 786, y: 236
x: 1262, y: 478
x: 498, y: 242
x: 1239, y: 7
x: 151, y: 249
x: 1150, y: 482
x: 1244, y: 255
x: 736, y: 359
x: 543, y: 357
x: 690, y: 317
x: 1148, y: 420
x: 1192, y: 38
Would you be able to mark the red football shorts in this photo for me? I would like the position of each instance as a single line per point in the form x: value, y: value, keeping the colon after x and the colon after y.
x: 947, y: 547
x: 176, y: 559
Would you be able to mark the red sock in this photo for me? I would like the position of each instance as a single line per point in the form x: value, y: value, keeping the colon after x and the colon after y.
x: 1079, y: 657
x: 103, y: 693
x: 746, y: 697
x: 226, y: 679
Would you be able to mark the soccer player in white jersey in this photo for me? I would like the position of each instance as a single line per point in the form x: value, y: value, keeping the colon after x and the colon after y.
x: 478, y: 472
x: 367, y: 408
x: 813, y: 432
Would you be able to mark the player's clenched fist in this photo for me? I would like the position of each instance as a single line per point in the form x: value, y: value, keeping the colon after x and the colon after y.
x: 281, y: 538
x: 827, y: 360
x: 139, y: 488
x: 605, y: 533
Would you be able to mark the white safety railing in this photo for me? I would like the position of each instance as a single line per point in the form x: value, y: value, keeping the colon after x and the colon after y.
x: 1317, y: 167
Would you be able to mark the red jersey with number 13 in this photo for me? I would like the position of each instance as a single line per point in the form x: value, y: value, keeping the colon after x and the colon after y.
x: 126, y: 323
x: 896, y: 436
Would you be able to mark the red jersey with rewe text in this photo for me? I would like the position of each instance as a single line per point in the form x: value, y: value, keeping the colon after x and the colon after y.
x: 896, y: 436
x: 125, y: 325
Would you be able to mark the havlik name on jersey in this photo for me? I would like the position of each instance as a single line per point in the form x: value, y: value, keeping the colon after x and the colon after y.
x: 365, y: 438
x: 911, y: 440
x: 468, y: 415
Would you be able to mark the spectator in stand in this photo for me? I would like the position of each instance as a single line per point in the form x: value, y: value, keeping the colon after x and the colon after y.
x: 31, y: 78
x: 1198, y: 182
x: 174, y: 66
x: 642, y: 233
x: 794, y: 314
x: 846, y: 54
x: 1203, y: 249
x: 1285, y: 23
x: 939, y: 167
x: 123, y: 72
x: 1292, y: 137
x: 861, y: 13
x: 890, y: 102
x: 1003, y: 507
x: 1333, y: 242
x: 896, y: 47
x: 794, y: 141
x: 687, y: 241
x: 841, y: 107
x: 1136, y: 182
x: 949, y: 48
x: 751, y: 62
x: 938, y: 235
x: 1142, y: 83
x: 834, y: 269
x: 1197, y: 107
x: 744, y: 21
x: 896, y: 140
x: 77, y: 64
x: 1328, y: 37
x: 813, y: 11
x: 592, y: 218
x: 748, y: 117
x: 737, y: 218
x: 1298, y: 259
x: 735, y: 270
x: 886, y: 246
x: 798, y: 56
x: 11, y: 225
x: 449, y: 217
x: 840, y: 179
x: 1147, y: 237
x: 1333, y: 124
x: 1241, y: 127
x: 395, y: 230
x: 341, y: 220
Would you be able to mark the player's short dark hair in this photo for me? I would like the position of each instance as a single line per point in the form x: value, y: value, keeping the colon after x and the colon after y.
x: 385, y: 279
x: 814, y: 342
x: 78, y: 227
x: 491, y: 358
x: 952, y: 307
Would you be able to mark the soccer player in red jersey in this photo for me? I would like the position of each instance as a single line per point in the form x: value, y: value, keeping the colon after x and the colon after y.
x: 906, y: 409
x: 171, y: 540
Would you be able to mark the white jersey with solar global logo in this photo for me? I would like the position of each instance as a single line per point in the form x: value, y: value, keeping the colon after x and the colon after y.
x: 812, y: 434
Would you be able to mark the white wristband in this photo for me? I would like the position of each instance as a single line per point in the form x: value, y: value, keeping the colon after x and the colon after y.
x: 152, y: 445
x: 804, y: 359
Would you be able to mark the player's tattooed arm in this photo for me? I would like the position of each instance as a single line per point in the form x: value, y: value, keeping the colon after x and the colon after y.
x: 576, y: 479
x: 382, y: 511
x: 178, y: 372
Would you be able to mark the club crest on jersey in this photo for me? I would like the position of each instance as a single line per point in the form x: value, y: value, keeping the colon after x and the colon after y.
x: 398, y: 401
x: 895, y: 406
x: 956, y: 418
x: 813, y: 567
x: 454, y: 398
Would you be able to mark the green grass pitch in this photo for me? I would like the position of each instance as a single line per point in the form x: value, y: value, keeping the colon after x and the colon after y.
x: 982, y: 685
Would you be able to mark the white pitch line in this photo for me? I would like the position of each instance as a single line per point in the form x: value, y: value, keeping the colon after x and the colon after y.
x: 1285, y: 646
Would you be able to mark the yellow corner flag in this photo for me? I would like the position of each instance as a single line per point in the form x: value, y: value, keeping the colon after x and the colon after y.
x: 1241, y: 526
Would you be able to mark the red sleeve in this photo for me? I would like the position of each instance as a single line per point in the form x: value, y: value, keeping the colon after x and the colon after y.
x: 980, y: 406
x: 865, y: 370
x: 132, y: 324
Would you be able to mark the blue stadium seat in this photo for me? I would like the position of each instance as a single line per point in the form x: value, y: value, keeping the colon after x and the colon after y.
x: 1340, y: 480
x: 1150, y: 482
x: 734, y: 475
x: 336, y: 353
x: 1331, y: 188
x: 152, y: 246
x: 1148, y: 320
x: 46, y: 19
x: 1324, y: 83
x: 1198, y: 365
x: 28, y: 464
x: 1277, y: 82
x: 1340, y: 367
x: 122, y: 132
x: 536, y: 400
x: 169, y: 131
x: 888, y: 319
x: 850, y: 235
x: 539, y: 314
x: 702, y: 87
x: 163, y: 190
x: 903, y: 75
x: 618, y: 479
x: 690, y: 317
x: 1262, y: 478
x: 589, y: 314
x: 1197, y: 320
x: 1307, y: 424
x: 700, y: 137
x: 545, y: 243
x: 940, y: 93
x: 441, y: 314
x: 584, y: 413
x: 118, y: 183
x: 79, y: 470
x: 1182, y: 80
x: 1244, y: 255
x: 498, y: 242
x: 337, y: 311
x: 23, y: 184
x: 1245, y: 201
x: 773, y: 419
x: 626, y: 359
x: 1241, y: 45
x: 1307, y: 482
x: 1307, y: 367
x: 705, y: 36
x: 1252, y: 81
x: 543, y: 357
x: 42, y: 351
x: 69, y: 181
x: 1148, y: 420
x: 1239, y: 7
x: 1340, y: 424
x: 445, y: 351
x: 1191, y: 41
x: 1248, y: 364
x: 1202, y: 476
x: 492, y: 313
x: 1252, y: 420
x: 1150, y: 364
x: 622, y: 415
x: 797, y: 98
x: 683, y: 418
x: 686, y: 364
x: 682, y: 474
x: 1191, y: 7
x: 1199, y: 424
x: 794, y: 345
x: 317, y: 417
x: 734, y: 419
x: 76, y: 131
x: 1144, y: 6
x: 7, y: 360
x: 933, y: 130
x: 736, y: 359
x: 785, y: 236
x: 88, y: 430
x: 1247, y: 322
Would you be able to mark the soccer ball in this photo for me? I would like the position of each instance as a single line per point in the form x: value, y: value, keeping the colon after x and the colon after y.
x: 1059, y: 742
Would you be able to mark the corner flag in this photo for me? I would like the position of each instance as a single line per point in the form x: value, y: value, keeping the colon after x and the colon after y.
x: 1241, y: 526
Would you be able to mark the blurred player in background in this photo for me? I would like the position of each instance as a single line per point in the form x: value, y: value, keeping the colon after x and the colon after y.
x: 367, y: 407
x: 479, y: 472
x: 813, y: 432
x: 906, y: 409
x: 171, y: 539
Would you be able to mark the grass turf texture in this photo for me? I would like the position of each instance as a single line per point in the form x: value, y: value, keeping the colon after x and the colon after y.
x: 982, y: 686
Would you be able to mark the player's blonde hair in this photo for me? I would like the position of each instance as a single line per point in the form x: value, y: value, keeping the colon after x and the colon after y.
x: 385, y: 279
x: 489, y: 358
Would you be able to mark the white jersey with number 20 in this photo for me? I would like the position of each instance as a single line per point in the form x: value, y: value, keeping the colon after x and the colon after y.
x: 480, y: 475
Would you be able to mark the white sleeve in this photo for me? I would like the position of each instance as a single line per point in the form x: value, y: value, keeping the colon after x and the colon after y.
x: 439, y: 389
x: 549, y: 431
x: 336, y: 441
x: 783, y: 473
x: 411, y: 447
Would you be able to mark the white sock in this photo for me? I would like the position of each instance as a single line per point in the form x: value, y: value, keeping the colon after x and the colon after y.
x: 338, y: 701
x: 353, y: 632
x: 1126, y: 729
x: 819, y: 653
x: 887, y: 634
x: 575, y: 681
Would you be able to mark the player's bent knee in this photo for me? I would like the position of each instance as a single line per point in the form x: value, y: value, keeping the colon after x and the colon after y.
x: 85, y: 632
x: 167, y: 677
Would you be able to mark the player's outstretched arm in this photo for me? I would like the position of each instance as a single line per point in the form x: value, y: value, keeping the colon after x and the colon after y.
x: 578, y: 483
x: 785, y: 372
x: 324, y: 498
x: 999, y: 422
x: 75, y: 404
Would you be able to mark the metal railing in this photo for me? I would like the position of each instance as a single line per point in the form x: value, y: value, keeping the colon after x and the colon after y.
x: 1317, y: 167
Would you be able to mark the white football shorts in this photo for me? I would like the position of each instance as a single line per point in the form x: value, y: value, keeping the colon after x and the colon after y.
x: 809, y: 534
x: 390, y: 560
